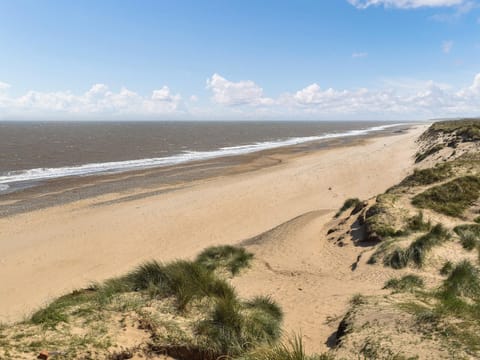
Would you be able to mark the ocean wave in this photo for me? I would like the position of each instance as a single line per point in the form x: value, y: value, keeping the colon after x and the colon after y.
x: 184, y: 157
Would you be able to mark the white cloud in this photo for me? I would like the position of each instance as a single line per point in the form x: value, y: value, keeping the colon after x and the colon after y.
x: 244, y: 92
x: 426, y: 99
x: 4, y: 86
x: 98, y: 101
x: 405, y: 4
x: 165, y: 95
x: 194, y: 98
x: 357, y: 55
x: 396, y: 98
x: 447, y: 46
x: 464, y: 8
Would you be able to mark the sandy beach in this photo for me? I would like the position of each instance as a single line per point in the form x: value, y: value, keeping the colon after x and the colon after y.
x: 287, y: 197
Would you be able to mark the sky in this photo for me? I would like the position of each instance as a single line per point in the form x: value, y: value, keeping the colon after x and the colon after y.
x: 239, y: 59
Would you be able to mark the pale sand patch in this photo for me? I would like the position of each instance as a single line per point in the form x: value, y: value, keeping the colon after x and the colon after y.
x: 46, y: 253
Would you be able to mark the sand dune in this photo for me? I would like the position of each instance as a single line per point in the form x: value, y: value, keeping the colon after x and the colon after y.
x: 48, y: 252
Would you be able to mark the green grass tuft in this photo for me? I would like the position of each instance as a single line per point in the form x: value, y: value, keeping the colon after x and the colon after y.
x: 469, y: 235
x: 463, y: 281
x: 184, y: 280
x: 233, y: 328
x: 57, y: 311
x: 416, y: 223
x: 229, y: 257
x: 418, y: 249
x: 404, y: 284
x: 349, y: 203
x: 290, y: 350
x: 446, y: 268
x: 452, y: 198
x: 358, y: 299
x: 266, y: 304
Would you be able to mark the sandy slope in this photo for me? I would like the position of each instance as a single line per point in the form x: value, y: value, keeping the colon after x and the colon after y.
x: 312, y: 278
x: 46, y: 253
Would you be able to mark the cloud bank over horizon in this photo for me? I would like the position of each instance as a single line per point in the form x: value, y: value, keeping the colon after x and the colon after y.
x: 245, y: 99
x: 407, y: 4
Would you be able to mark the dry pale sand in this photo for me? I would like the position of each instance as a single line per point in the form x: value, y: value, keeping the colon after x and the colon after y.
x: 48, y: 252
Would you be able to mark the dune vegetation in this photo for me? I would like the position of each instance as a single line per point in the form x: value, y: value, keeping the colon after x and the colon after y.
x: 426, y: 227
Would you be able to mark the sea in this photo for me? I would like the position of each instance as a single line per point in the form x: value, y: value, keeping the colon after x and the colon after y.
x: 38, y: 151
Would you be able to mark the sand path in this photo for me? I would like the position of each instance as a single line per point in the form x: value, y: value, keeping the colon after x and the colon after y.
x: 49, y: 252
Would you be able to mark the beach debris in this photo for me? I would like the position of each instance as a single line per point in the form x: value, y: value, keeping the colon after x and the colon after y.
x: 45, y: 355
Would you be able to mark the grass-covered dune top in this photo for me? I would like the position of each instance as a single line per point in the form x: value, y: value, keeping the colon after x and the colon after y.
x: 186, y: 309
x: 447, y: 134
x: 468, y: 129
x: 452, y: 198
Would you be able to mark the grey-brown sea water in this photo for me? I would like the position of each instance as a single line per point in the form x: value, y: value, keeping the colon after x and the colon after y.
x: 39, y: 150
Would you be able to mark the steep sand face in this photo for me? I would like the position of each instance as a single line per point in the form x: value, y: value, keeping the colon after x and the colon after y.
x: 49, y: 252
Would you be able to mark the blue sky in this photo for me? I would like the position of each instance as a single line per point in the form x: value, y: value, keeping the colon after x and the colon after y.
x: 243, y: 59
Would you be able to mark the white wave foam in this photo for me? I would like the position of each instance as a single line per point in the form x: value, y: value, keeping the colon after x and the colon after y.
x: 4, y: 187
x: 187, y: 156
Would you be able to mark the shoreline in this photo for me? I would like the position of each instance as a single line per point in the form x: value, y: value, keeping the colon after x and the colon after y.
x: 43, y: 194
x: 57, y: 249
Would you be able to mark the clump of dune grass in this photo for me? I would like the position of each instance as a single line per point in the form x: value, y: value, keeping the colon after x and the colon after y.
x: 418, y: 249
x: 233, y: 327
x: 428, y: 176
x: 183, y: 280
x: 266, y: 304
x: 417, y: 223
x: 463, y: 281
x: 452, y: 198
x: 358, y: 299
x: 446, y: 268
x: 405, y: 283
x: 222, y: 324
x: 57, y: 311
x: 231, y: 258
x: 477, y: 219
x: 349, y: 203
x: 469, y: 235
x: 291, y: 349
